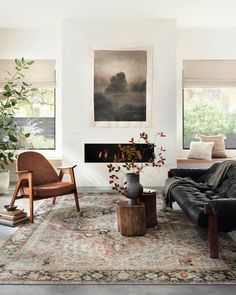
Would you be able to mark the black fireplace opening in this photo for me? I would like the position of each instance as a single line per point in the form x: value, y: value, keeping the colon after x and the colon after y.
x: 92, y: 152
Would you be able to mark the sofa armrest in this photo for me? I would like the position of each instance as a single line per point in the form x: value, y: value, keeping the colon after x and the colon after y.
x: 195, y: 174
x: 224, y: 210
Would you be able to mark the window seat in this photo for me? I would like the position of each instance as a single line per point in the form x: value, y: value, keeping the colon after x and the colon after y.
x: 196, y: 163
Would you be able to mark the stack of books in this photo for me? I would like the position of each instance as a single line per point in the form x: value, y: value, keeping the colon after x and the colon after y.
x: 13, y: 218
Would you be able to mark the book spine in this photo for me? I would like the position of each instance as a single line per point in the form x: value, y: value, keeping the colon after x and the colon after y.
x: 12, y: 224
x: 12, y: 218
x: 11, y: 213
x: 21, y: 221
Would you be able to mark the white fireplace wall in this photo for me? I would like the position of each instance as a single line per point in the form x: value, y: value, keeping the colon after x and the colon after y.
x: 78, y: 39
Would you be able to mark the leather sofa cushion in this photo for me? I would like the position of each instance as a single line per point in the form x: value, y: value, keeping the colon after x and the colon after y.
x: 191, y: 201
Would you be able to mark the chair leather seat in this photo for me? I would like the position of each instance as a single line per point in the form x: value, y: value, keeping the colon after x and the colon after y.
x: 52, y: 189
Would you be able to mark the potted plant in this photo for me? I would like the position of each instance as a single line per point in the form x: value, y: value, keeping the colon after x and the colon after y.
x: 12, y: 135
x: 129, y: 162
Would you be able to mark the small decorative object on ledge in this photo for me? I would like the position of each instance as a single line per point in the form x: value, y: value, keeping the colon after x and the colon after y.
x: 129, y: 159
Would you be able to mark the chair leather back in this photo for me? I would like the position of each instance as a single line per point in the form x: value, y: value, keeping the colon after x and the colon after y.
x: 43, y: 172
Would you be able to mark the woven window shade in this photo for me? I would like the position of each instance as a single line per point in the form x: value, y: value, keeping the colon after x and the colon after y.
x: 41, y: 73
x: 209, y: 73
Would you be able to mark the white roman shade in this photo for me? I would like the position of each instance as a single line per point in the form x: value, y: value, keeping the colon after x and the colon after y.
x: 41, y: 73
x: 209, y: 73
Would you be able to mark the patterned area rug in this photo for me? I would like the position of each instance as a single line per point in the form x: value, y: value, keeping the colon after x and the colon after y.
x: 64, y: 246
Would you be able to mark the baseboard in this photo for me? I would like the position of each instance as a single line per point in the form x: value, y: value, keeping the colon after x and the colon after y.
x: 107, y: 189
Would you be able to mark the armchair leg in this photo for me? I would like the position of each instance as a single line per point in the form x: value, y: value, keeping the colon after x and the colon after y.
x: 15, y: 193
x: 76, y: 200
x: 31, y: 207
x: 31, y: 200
x: 54, y: 200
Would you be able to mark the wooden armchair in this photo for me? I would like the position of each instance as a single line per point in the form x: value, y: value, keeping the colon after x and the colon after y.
x: 38, y: 180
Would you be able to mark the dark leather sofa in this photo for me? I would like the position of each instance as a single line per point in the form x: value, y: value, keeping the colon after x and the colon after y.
x: 215, y: 209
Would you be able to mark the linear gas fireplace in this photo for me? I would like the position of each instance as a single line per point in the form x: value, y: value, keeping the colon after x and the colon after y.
x: 92, y: 152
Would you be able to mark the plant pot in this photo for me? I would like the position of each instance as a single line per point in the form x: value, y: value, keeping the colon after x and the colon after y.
x: 134, y: 189
x: 4, y: 181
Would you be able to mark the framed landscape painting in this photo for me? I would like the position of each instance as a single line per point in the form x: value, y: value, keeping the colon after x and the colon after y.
x: 122, y: 87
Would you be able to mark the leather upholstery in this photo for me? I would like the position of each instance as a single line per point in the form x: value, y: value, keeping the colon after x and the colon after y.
x: 43, y: 171
x: 38, y: 180
x: 51, y: 189
x: 225, y: 210
x: 192, y: 200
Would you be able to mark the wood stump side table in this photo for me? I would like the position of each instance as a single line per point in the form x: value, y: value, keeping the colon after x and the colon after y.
x: 149, y: 199
x: 131, y: 219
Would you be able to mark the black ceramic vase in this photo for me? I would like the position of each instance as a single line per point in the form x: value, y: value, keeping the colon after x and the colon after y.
x: 134, y: 189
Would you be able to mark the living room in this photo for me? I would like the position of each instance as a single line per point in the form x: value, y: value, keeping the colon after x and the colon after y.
x: 74, y: 41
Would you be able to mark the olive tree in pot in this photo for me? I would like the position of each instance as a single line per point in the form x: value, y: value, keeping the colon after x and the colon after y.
x: 12, y: 136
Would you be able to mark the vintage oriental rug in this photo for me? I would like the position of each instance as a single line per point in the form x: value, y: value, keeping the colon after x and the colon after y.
x: 64, y: 246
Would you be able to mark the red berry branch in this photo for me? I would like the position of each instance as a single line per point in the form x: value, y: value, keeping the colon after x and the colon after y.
x: 130, y: 159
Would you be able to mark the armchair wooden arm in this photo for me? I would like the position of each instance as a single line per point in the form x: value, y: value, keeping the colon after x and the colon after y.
x: 23, y: 171
x: 70, y: 171
x: 67, y: 170
x: 67, y: 167
x: 23, y: 175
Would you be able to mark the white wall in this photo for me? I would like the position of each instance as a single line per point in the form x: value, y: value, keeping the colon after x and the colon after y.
x: 30, y: 43
x: 201, y: 44
x: 79, y: 36
x: 43, y: 43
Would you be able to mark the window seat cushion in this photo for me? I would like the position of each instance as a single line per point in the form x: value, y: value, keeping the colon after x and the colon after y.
x: 200, y: 161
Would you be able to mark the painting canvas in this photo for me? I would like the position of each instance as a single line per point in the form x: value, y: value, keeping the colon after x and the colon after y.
x: 121, y: 88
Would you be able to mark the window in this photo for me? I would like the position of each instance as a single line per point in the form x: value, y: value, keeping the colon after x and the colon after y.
x: 209, y: 100
x: 37, y: 115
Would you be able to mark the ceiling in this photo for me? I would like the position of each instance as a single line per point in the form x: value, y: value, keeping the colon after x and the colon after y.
x: 188, y: 13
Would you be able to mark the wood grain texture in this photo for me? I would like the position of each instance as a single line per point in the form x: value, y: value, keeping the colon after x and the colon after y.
x: 131, y: 219
x: 149, y: 199
x: 212, y: 232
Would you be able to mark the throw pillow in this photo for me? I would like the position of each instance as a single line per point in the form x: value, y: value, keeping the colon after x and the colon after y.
x: 200, y: 150
x: 219, y: 146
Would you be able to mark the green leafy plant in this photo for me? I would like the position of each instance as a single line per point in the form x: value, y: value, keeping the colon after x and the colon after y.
x: 15, y: 89
x: 130, y: 159
x: 206, y: 117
